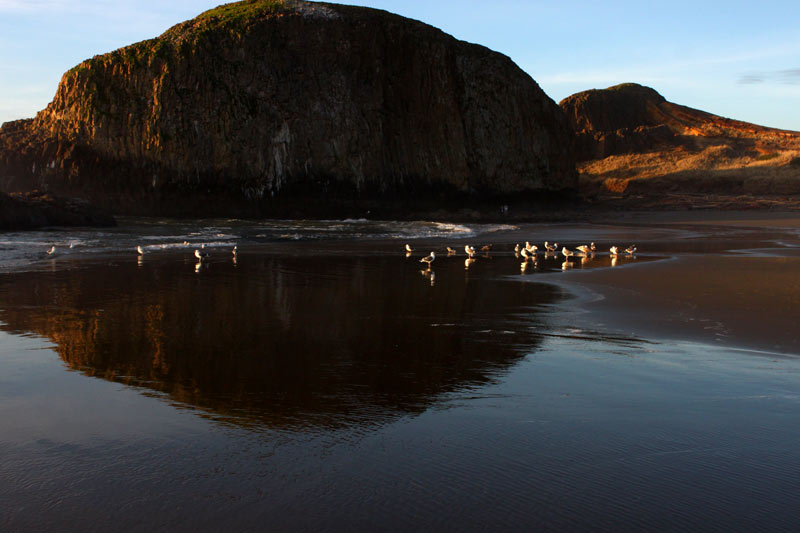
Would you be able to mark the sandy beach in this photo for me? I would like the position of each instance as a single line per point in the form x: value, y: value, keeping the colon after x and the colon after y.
x: 728, y: 278
x: 322, y: 379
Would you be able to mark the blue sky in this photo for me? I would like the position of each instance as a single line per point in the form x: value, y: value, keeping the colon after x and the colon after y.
x: 736, y: 59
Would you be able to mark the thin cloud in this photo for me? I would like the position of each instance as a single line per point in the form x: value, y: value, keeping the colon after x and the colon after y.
x: 29, y: 6
x: 789, y: 76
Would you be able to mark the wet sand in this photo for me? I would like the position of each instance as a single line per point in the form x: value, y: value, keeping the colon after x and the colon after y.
x: 729, y: 278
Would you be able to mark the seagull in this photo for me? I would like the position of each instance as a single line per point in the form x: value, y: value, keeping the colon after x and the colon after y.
x: 631, y: 249
x: 235, y: 250
x: 140, y: 250
x: 52, y: 250
x: 470, y: 250
x: 428, y: 259
x: 550, y: 247
x: 532, y: 249
x: 516, y: 248
x: 409, y: 249
x: 583, y: 248
x: 450, y: 251
x: 525, y: 254
x: 201, y: 255
x: 592, y: 247
x: 614, y: 250
x: 486, y: 248
x: 567, y: 252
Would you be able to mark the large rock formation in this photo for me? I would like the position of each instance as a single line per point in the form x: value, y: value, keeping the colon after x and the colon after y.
x: 630, y: 139
x: 274, y: 100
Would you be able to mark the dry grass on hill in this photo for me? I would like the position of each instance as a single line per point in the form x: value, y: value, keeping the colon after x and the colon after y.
x: 716, y: 169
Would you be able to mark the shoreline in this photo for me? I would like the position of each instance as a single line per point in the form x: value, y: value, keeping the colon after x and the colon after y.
x: 739, y: 298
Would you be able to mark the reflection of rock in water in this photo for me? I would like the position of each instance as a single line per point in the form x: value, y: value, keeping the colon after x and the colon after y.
x: 279, y: 341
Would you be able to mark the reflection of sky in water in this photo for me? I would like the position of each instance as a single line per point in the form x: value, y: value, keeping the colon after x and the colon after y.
x: 668, y: 435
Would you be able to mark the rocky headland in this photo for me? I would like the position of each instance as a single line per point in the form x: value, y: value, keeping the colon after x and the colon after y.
x: 284, y: 107
x: 636, y: 149
x: 24, y: 211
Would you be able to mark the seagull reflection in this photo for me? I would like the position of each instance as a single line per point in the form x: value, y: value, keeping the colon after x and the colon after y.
x: 468, y: 261
x: 140, y: 261
x: 566, y: 265
x: 614, y: 260
x: 430, y: 274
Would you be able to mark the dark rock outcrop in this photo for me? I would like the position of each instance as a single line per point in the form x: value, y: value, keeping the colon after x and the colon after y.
x: 37, y: 210
x: 631, y: 118
x: 267, y: 101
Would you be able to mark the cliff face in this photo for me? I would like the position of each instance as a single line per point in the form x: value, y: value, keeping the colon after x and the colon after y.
x: 268, y: 99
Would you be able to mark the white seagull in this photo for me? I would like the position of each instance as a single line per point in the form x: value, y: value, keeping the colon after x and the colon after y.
x: 470, y: 250
x: 52, y: 250
x: 140, y: 250
x: 631, y: 249
x: 567, y: 252
x: 409, y: 249
x: 550, y: 247
x: 235, y: 250
x: 583, y: 248
x: 450, y: 251
x: 428, y: 259
x: 614, y: 250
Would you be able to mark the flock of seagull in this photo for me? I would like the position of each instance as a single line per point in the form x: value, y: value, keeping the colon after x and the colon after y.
x: 202, y: 254
x: 529, y: 253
